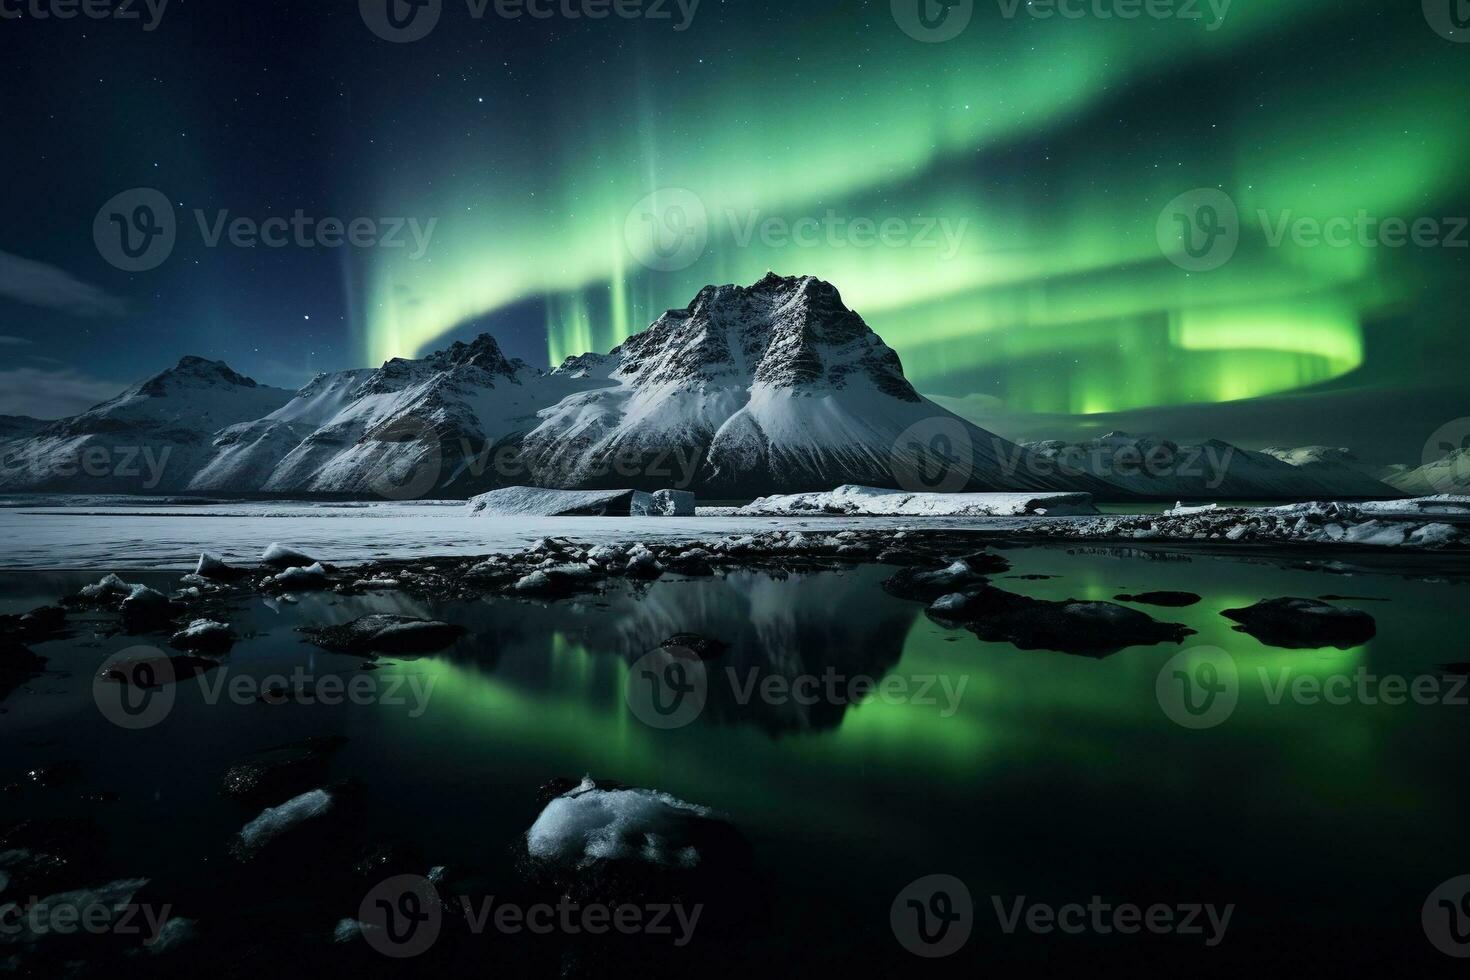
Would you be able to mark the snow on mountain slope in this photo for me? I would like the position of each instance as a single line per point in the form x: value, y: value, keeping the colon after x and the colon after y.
x: 152, y: 438
x: 776, y: 387
x: 438, y: 426
x: 1449, y: 474
x: 1336, y: 467
x: 245, y: 455
x: 1162, y: 469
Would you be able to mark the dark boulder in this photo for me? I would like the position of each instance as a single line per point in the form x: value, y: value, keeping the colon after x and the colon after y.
x: 1304, y: 624
x: 1094, y: 629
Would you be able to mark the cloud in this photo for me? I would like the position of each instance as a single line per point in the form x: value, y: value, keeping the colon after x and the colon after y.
x: 13, y: 341
x: 38, y: 284
x: 51, y: 394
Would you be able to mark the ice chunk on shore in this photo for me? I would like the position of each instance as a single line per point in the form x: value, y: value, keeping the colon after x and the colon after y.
x: 587, y: 825
x: 308, y: 577
x: 280, y: 556
x: 670, y: 503
x: 873, y: 502
x: 1447, y: 504
x: 539, y: 502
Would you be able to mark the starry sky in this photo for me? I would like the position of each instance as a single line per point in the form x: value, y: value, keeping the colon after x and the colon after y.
x: 1000, y: 196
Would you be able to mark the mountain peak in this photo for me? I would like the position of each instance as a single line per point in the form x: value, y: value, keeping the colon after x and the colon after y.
x: 782, y: 332
x: 482, y: 352
x: 192, y: 369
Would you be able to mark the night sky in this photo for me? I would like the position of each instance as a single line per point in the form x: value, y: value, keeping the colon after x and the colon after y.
x: 1028, y: 171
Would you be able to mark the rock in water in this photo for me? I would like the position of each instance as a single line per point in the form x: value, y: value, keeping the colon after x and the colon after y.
x: 213, y: 568
x: 302, y: 578
x: 1304, y: 624
x: 1095, y: 629
x: 384, y: 633
x: 1177, y: 600
x: 925, y: 585
x: 204, y: 636
x: 610, y: 844
x: 275, y: 821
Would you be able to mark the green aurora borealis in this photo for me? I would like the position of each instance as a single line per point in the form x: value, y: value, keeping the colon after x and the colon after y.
x: 1056, y: 144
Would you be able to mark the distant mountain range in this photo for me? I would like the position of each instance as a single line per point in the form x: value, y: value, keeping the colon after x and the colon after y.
x: 772, y: 388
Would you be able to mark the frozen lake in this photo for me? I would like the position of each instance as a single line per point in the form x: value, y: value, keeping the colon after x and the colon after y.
x: 170, y: 535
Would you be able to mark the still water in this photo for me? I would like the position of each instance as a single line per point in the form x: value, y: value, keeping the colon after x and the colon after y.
x: 1035, y: 777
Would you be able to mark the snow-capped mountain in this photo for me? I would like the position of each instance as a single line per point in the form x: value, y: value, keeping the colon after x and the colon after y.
x: 1158, y: 468
x: 412, y: 428
x: 1449, y: 474
x: 1337, y: 467
x: 774, y: 388
x: 771, y: 388
x: 150, y: 439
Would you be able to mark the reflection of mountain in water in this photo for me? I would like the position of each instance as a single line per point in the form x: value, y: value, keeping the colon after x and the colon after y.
x: 804, y: 625
x: 816, y: 626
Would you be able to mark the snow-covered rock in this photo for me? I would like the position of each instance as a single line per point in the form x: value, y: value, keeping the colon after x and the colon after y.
x: 205, y: 635
x: 671, y: 503
x: 540, y: 502
x: 275, y: 821
x: 302, y: 577
x: 278, y: 555
x: 874, y: 502
x: 587, y: 825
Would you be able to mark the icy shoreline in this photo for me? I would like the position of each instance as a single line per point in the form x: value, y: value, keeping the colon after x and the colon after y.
x: 141, y: 537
